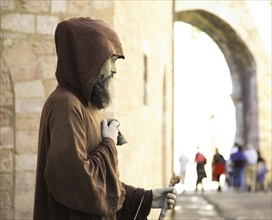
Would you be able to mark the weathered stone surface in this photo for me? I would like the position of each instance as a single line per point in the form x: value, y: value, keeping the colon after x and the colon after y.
x: 6, y: 116
x: 22, y: 68
x: 27, y: 121
x: 25, y: 162
x: 102, y: 4
x: 18, y: 22
x: 6, y: 181
x: 5, y: 82
x: 45, y: 47
x: 6, y: 214
x: 6, y: 160
x: 48, y: 66
x: 7, y: 137
x: 35, y: 6
x: 46, y: 24
x: 80, y: 7
x: 5, y: 199
x: 26, y: 141
x: 31, y: 89
x: 24, y: 191
x: 6, y: 98
x: 7, y: 5
x: 59, y: 6
x: 28, y: 105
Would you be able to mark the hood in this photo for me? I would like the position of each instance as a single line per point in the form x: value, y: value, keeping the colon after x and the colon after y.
x: 82, y: 46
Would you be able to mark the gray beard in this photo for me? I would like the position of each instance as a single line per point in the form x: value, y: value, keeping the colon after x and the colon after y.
x: 100, y: 96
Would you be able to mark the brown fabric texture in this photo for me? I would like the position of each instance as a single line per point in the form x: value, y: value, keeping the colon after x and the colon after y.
x: 77, y: 171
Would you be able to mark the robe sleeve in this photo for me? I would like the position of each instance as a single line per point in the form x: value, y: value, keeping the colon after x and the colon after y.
x: 85, y: 182
x: 135, y: 198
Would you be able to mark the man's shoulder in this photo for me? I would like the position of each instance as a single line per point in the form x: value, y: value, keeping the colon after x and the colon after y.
x: 63, y: 98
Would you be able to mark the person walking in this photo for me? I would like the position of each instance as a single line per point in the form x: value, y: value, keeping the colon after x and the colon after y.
x: 260, y: 173
x: 218, y: 168
x: 183, y: 160
x: 239, y: 160
x: 250, y: 168
x: 200, y: 169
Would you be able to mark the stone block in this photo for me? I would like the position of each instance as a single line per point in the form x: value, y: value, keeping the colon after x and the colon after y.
x: 35, y: 6
x: 24, y: 214
x: 43, y: 46
x: 80, y: 7
x: 22, y: 68
x: 26, y: 141
x: 6, y: 181
x: 4, y: 67
x: 5, y: 83
x: 6, y: 98
x: 27, y: 121
x: 31, y: 89
x: 48, y: 66
x: 25, y: 162
x: 18, y: 22
x: 7, y: 137
x: 102, y: 4
x: 24, y: 191
x: 6, y: 214
x: 6, y: 116
x: 6, y: 201
x: 46, y: 24
x: 6, y: 160
x: 7, y: 5
x: 29, y: 105
x: 7, y: 42
x: 58, y: 6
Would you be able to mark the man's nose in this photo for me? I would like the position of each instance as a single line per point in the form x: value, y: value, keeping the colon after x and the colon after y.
x: 113, y: 70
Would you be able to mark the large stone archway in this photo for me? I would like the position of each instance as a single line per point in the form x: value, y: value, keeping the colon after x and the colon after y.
x: 242, y: 68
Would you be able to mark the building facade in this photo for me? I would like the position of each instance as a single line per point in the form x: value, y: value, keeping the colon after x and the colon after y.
x: 142, y: 90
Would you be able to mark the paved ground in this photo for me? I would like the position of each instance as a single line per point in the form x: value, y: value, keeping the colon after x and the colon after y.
x: 222, y: 206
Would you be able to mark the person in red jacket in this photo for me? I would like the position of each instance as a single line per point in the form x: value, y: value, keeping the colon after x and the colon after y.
x: 77, y: 168
x: 218, y: 167
x: 200, y: 169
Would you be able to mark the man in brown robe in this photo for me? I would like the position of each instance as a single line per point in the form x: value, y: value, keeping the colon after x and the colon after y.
x: 77, y: 171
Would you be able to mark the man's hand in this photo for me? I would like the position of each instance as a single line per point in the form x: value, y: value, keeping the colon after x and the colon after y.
x: 159, y: 194
x: 110, y: 130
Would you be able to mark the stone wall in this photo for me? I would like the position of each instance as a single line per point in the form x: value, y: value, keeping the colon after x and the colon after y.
x: 28, y: 62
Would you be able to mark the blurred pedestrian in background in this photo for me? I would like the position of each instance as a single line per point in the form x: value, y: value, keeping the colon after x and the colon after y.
x: 239, y: 161
x: 200, y: 168
x: 229, y: 167
x: 183, y: 159
x: 218, y: 167
x: 250, y: 169
x: 261, y: 173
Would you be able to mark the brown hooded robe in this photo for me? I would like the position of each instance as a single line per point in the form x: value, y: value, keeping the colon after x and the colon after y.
x: 77, y: 173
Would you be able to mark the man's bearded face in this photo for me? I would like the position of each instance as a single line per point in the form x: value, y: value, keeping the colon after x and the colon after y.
x: 100, y: 96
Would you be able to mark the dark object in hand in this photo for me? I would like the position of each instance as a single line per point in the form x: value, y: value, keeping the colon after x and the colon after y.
x: 120, y: 138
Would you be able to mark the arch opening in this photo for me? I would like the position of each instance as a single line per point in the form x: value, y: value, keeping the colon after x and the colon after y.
x: 240, y: 108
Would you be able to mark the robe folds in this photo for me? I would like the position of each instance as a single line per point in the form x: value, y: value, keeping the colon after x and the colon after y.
x: 77, y: 174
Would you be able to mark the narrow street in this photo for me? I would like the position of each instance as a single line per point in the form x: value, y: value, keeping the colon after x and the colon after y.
x: 211, y: 205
